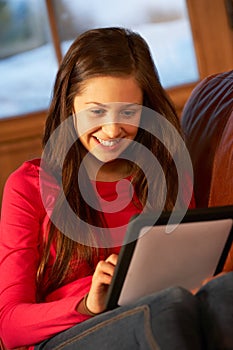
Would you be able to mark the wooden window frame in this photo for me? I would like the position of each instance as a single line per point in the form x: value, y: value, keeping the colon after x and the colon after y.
x: 213, y: 38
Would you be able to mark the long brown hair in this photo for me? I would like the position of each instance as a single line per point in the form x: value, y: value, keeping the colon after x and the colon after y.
x: 99, y: 52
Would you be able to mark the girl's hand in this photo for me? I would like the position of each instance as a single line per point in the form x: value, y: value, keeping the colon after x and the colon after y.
x: 102, y: 277
x: 194, y: 291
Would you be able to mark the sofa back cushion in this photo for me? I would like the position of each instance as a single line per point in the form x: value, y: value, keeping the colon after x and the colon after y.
x: 207, y: 122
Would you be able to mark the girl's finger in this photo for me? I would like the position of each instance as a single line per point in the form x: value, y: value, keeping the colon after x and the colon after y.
x: 112, y: 259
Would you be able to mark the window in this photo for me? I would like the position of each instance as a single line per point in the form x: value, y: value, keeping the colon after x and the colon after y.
x: 27, y: 61
x: 35, y: 34
x: 164, y: 24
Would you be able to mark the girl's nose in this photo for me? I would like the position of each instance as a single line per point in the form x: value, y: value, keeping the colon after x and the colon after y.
x: 112, y: 130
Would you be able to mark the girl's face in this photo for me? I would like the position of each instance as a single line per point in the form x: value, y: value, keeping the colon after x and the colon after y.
x: 107, y: 115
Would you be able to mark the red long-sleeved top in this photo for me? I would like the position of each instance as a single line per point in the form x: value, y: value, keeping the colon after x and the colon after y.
x: 23, y: 322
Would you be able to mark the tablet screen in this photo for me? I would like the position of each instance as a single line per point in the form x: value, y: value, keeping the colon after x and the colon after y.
x: 185, y: 257
x: 195, y: 250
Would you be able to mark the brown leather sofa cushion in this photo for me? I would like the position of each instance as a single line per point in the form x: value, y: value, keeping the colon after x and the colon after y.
x: 221, y: 188
x: 207, y: 122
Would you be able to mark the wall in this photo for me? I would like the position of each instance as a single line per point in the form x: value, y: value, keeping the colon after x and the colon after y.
x: 20, y: 139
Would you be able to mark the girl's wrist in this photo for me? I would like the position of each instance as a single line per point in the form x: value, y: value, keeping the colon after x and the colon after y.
x: 86, y: 309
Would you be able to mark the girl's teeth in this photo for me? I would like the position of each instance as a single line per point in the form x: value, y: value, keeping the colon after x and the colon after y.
x: 108, y: 143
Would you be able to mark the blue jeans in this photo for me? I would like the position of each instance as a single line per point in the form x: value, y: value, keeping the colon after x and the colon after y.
x: 166, y: 320
x: 169, y: 320
x: 216, y: 299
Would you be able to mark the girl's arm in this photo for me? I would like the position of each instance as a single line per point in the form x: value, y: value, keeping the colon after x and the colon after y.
x: 23, y: 321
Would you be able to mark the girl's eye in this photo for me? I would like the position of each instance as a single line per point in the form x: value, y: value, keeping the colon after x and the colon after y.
x: 97, y: 112
x: 128, y: 113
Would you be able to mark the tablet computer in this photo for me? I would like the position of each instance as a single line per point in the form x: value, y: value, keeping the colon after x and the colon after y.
x: 152, y: 259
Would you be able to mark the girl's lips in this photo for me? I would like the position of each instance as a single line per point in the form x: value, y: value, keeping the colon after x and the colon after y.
x: 109, y: 142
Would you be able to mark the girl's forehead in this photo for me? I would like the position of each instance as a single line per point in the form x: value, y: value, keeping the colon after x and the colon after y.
x: 108, y: 89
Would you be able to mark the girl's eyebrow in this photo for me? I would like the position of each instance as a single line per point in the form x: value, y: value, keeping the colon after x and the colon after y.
x: 107, y: 104
x: 97, y: 103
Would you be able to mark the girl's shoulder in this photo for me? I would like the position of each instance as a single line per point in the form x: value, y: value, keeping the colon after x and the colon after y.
x: 29, y: 182
x: 25, y: 173
x: 22, y: 191
x: 31, y: 172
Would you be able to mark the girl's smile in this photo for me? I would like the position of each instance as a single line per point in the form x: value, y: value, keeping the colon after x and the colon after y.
x: 108, y: 143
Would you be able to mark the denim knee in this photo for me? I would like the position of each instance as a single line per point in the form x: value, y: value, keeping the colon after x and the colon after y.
x: 216, y: 299
x: 175, y: 319
x: 174, y: 298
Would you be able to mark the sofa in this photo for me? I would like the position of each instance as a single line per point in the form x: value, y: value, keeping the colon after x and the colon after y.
x: 207, y: 123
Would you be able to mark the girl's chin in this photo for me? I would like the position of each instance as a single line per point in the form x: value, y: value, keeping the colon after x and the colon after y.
x: 106, y: 159
x: 107, y: 156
